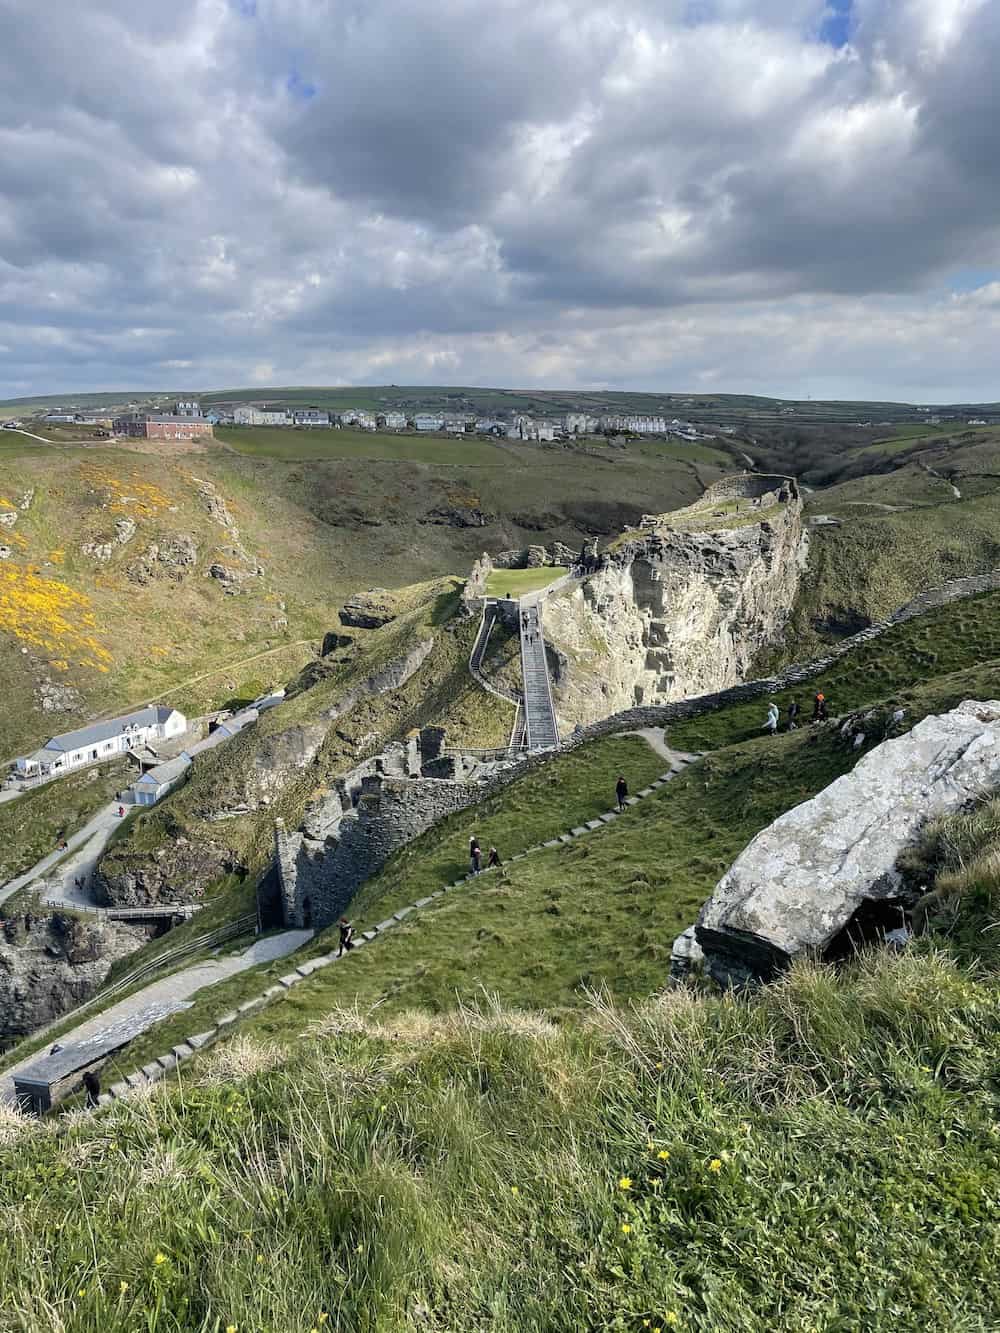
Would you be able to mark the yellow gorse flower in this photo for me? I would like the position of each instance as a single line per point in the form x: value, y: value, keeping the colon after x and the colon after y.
x: 715, y: 1164
x: 625, y: 1183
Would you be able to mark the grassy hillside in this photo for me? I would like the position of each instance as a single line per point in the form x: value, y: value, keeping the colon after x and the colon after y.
x: 102, y: 629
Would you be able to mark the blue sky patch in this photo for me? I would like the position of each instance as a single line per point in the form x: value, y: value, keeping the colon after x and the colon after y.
x: 835, y: 29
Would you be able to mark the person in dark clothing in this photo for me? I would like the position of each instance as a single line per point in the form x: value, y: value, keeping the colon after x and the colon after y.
x: 621, y: 792
x: 822, y: 709
x: 346, y: 936
x: 475, y: 856
x: 793, y: 715
x: 819, y: 707
x: 92, y: 1087
x: 493, y: 859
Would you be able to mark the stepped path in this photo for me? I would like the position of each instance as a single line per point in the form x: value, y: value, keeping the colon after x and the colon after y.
x: 140, y: 1011
x: 679, y: 762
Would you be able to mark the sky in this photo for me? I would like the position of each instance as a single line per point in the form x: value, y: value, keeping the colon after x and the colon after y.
x: 788, y: 197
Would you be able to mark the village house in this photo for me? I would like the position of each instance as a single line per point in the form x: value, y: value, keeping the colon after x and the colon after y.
x: 161, y: 426
x: 187, y: 408
x: 393, y: 420
x: 102, y: 740
x: 427, y: 421
x: 310, y: 416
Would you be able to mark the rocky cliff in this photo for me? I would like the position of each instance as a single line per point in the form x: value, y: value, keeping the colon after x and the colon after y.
x: 681, y: 605
x: 50, y: 964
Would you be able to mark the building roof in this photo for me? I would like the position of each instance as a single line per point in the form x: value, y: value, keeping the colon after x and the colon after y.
x: 164, y: 773
x: 104, y: 731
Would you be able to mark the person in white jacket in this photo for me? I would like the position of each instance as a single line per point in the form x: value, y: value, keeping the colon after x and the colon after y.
x: 771, y: 724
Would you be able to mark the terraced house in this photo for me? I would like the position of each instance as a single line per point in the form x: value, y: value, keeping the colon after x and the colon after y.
x: 103, y: 740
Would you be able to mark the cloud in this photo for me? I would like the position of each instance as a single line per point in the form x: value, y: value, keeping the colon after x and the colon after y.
x: 784, y: 198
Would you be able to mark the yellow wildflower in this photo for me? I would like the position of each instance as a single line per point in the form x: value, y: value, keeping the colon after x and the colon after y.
x: 625, y: 1228
x: 323, y: 1317
x: 514, y: 1190
x: 159, y: 1258
x: 672, y: 1318
x: 715, y: 1164
x: 82, y: 1292
x: 625, y: 1183
x: 230, y: 1328
x: 663, y: 1155
x: 122, y: 1287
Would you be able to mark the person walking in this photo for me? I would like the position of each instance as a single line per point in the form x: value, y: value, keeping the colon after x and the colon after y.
x: 92, y: 1087
x: 493, y: 859
x: 771, y: 722
x: 621, y: 791
x: 819, y: 707
x: 793, y: 715
x: 475, y: 856
x: 121, y: 812
x: 346, y: 936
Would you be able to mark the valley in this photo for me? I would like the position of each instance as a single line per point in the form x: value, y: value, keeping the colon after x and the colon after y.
x: 393, y: 588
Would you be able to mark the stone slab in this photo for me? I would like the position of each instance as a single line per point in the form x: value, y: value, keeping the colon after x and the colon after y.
x: 118, y: 1089
x: 153, y: 1071
x: 369, y: 935
x: 593, y: 823
x: 565, y: 837
x: 610, y: 817
x: 232, y: 1016
x: 646, y: 791
x: 631, y: 800
x: 422, y: 902
x: 306, y: 969
x: 201, y: 1039
x: 249, y: 1005
x: 578, y: 832
x: 272, y: 991
x: 105, y: 1099
x: 386, y: 925
x: 403, y: 912
x: 183, y: 1051
x: 167, y: 1061
x: 288, y: 981
x: 136, y: 1079
x: 552, y: 842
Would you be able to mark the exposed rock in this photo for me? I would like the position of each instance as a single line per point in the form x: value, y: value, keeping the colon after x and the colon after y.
x: 176, y: 872
x: 24, y: 504
x: 8, y: 518
x: 98, y: 550
x: 452, y: 516
x: 333, y: 641
x: 675, y: 610
x: 125, y: 530
x: 57, y: 964
x: 6, y: 552
x: 367, y: 610
x: 536, y: 558
x: 826, y: 871
x: 172, y: 556
x: 56, y: 697
x: 232, y: 580
x: 216, y: 505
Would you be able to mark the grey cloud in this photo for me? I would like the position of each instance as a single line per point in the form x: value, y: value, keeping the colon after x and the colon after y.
x: 534, y: 191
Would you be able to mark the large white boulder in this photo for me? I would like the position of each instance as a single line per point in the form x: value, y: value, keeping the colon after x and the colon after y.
x: 801, y: 881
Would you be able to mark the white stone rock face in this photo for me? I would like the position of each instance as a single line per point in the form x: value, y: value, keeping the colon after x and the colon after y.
x: 678, y: 613
x: 801, y: 880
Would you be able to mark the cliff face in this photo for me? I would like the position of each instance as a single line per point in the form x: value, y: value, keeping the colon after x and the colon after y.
x: 681, y: 608
x: 50, y: 964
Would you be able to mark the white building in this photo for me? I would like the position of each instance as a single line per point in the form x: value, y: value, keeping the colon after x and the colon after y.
x: 245, y: 415
x: 395, y: 421
x: 102, y: 740
x: 274, y: 418
x: 580, y: 423
x: 154, y: 784
x: 427, y: 421
x: 310, y: 416
x: 187, y: 408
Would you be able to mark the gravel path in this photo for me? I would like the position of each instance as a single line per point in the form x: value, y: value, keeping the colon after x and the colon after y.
x: 140, y: 1011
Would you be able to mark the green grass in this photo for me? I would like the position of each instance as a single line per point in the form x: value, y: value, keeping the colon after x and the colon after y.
x: 286, y: 443
x: 517, y: 582
x: 824, y: 1157
x: 892, y: 666
x: 31, y: 825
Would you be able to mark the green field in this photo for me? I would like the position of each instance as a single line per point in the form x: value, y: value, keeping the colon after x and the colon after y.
x: 306, y: 445
x: 518, y: 582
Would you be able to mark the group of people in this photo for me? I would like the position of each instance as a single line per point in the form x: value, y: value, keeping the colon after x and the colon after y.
x: 820, y: 713
x: 476, y: 857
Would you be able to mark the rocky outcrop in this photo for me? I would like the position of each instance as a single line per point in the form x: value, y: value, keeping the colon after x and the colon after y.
x: 681, y: 607
x: 534, y: 557
x: 103, y: 548
x: 824, y: 875
x: 56, y: 697
x: 50, y: 964
x: 455, y: 517
x: 170, y: 557
x: 367, y: 610
x: 176, y: 872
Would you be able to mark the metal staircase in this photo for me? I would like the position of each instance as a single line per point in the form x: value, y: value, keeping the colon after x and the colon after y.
x: 541, y: 728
